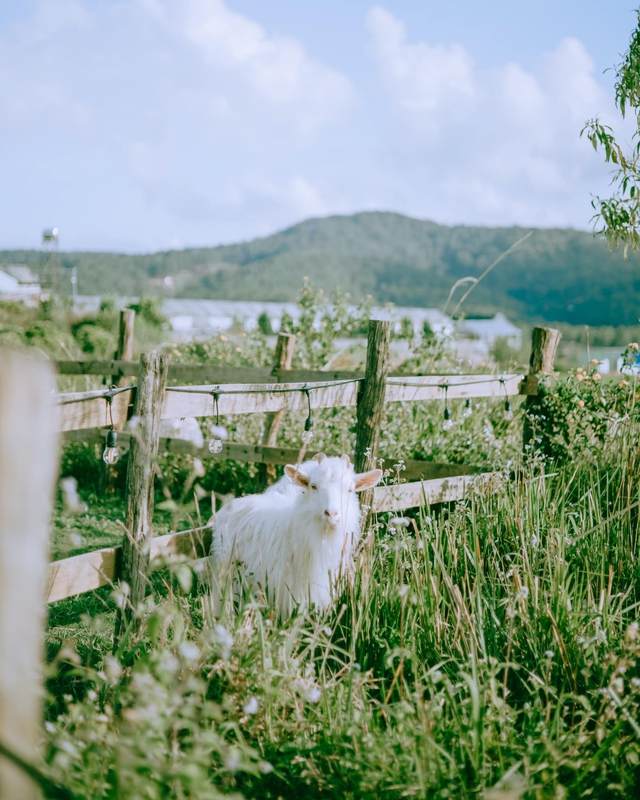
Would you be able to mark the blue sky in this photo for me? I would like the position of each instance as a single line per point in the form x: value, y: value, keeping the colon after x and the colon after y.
x: 148, y: 124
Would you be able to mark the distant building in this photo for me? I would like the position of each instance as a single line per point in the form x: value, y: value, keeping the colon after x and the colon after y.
x: 17, y: 282
x: 201, y: 318
x: 486, y: 332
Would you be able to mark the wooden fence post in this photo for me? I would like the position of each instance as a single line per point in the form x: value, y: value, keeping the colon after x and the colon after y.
x: 284, y: 358
x: 152, y: 379
x: 544, y: 343
x: 371, y: 401
x: 28, y: 467
x: 125, y: 342
x: 123, y: 353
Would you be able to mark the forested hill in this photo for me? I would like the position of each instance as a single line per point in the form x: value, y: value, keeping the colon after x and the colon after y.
x: 557, y: 275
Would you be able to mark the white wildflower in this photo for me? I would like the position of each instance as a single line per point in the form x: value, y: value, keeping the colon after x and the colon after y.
x: 399, y: 522
x: 223, y: 639
x: 252, y: 706
x: 313, y: 694
x: 189, y: 651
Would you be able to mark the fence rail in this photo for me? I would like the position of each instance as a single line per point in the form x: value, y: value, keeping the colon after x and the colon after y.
x: 235, y: 390
x: 263, y: 454
x: 89, y: 571
x: 80, y: 410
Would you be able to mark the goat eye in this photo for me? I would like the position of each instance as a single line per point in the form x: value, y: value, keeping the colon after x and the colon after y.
x: 314, y: 487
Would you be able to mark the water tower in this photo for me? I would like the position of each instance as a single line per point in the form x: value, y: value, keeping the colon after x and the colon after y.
x: 50, y: 271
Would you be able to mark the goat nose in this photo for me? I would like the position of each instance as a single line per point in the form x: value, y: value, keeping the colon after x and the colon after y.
x: 332, y: 516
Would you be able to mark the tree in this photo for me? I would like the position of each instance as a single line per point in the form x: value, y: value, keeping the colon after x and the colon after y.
x: 618, y: 217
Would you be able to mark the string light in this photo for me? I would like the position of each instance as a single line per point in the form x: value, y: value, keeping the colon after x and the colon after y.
x: 508, y: 412
x: 448, y: 422
x: 110, y: 454
x: 307, y: 434
x: 218, y: 433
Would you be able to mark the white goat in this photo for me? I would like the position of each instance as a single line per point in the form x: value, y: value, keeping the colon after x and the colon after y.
x: 297, y: 538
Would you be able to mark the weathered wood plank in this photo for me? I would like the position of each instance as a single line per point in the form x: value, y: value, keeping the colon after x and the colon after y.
x: 283, y: 358
x: 151, y: 384
x: 28, y: 466
x: 414, y: 495
x: 79, y: 410
x: 370, y: 408
x: 262, y: 398
x: 82, y: 573
x: 91, y: 413
x: 124, y: 352
x: 261, y: 454
x: 432, y: 387
x: 113, y: 366
x: 544, y: 343
x: 208, y: 373
x: 89, y: 571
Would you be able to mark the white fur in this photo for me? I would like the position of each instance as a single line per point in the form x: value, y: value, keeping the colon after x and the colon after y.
x: 297, y: 538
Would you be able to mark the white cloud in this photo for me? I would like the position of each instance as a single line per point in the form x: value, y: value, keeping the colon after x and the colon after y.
x: 162, y: 110
x: 421, y: 78
x: 137, y: 123
x: 275, y: 68
x: 497, y: 146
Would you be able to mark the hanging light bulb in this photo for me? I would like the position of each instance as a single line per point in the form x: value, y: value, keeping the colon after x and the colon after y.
x: 111, y: 455
x: 468, y: 407
x: 218, y: 432
x: 448, y: 422
x: 215, y: 446
x: 307, y: 434
x: 508, y: 413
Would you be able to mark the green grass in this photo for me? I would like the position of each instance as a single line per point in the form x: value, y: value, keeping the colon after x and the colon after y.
x: 488, y: 651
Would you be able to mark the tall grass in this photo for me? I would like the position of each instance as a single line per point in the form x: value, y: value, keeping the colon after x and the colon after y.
x: 487, y: 650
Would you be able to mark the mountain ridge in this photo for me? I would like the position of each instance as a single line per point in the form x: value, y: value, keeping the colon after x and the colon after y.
x: 558, y: 275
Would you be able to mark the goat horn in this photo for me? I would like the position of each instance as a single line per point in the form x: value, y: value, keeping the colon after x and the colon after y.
x: 346, y: 459
x: 319, y: 457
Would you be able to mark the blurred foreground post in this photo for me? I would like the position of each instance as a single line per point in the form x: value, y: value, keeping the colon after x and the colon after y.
x: 284, y: 358
x: 152, y: 379
x: 544, y: 343
x: 28, y: 468
x: 370, y: 407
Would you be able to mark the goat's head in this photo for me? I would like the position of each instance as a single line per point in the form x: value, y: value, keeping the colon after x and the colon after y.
x: 329, y: 485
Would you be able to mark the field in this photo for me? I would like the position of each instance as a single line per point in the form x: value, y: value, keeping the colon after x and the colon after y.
x: 485, y: 648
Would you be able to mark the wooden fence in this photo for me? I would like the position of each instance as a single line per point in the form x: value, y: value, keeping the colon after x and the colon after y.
x: 233, y: 390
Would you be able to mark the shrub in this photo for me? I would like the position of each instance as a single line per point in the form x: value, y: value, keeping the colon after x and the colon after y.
x: 95, y: 340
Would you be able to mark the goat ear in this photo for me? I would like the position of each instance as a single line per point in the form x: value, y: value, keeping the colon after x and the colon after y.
x: 365, y: 480
x: 319, y: 457
x: 295, y: 476
x: 344, y: 457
